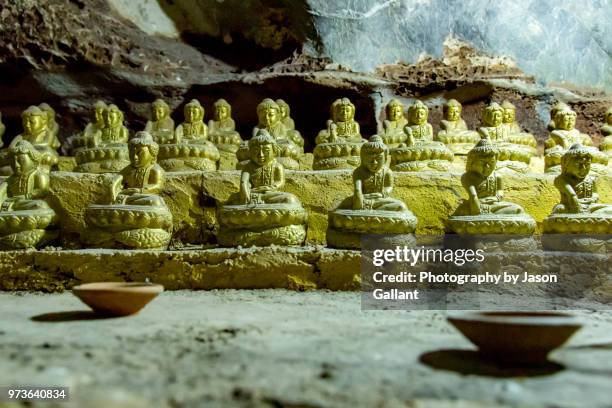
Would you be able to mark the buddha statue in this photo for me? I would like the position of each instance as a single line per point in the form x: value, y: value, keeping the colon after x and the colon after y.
x: 86, y: 138
x: 420, y: 151
x: 161, y: 127
x: 52, y: 125
x: 454, y: 132
x: 579, y: 211
x: 190, y: 148
x: 134, y: 216
x: 338, y: 146
x: 103, y: 149
x: 485, y: 211
x: 371, y: 209
x: 393, y: 126
x: 26, y: 220
x: 260, y: 214
x: 563, y: 137
x: 606, y: 130
x: 222, y: 129
x: 35, y: 132
x: 512, y: 157
x: 515, y: 134
x: 285, y: 113
x: 553, y: 111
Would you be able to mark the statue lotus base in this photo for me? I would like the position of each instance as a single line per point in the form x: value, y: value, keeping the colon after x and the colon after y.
x: 126, y: 226
x: 460, y: 143
x: 430, y: 156
x: 287, y: 235
x: 521, y: 224
x: 336, y: 155
x: 185, y: 157
x: 578, y: 232
x: 107, y: 159
x: 346, y: 227
x: 27, y: 228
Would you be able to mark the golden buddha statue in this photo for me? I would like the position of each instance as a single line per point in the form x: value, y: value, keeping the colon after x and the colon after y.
x: 515, y: 134
x: 420, y: 151
x: 553, y: 111
x: 190, y: 148
x: 338, y: 146
x: 290, y: 142
x: 285, y: 113
x: 259, y: 214
x: 454, y: 132
x: 26, y: 220
x: 161, y: 127
x: 135, y: 216
x: 102, y: 148
x: 52, y: 125
x: 563, y: 137
x: 484, y: 211
x: 512, y: 157
x: 371, y: 209
x: 579, y: 211
x: 393, y: 126
x: 222, y: 128
x: 606, y: 130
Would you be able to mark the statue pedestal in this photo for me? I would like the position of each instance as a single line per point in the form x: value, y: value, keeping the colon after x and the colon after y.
x: 578, y: 232
x: 336, y: 155
x: 27, y: 228
x: 493, y: 232
x: 187, y: 156
x: 429, y: 156
x: 103, y: 159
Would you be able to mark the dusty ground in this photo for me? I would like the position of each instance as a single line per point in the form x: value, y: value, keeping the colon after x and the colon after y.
x: 280, y: 349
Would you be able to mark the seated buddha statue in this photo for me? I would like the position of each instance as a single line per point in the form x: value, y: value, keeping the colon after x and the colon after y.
x: 260, y: 213
x: 454, y: 132
x: 222, y: 128
x: 161, y: 125
x: 26, y: 220
x: 563, y: 137
x: 371, y: 209
x: 606, y: 130
x: 135, y: 215
x: 190, y: 148
x: 579, y: 210
x: 103, y: 149
x: 553, y: 112
x: 420, y: 151
x: 515, y: 134
x: 338, y: 146
x: 485, y: 211
x: 290, y: 143
x: 52, y: 125
x: 393, y: 126
x: 285, y: 113
x: 35, y: 131
x: 512, y: 157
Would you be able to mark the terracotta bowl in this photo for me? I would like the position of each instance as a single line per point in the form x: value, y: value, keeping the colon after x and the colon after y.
x: 117, y: 298
x: 518, y: 338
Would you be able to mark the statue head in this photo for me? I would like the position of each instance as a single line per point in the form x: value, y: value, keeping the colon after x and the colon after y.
x: 160, y: 110
x: 493, y: 115
x: 374, y: 154
x: 34, y: 120
x: 193, y: 111
x: 268, y: 113
x: 263, y: 148
x: 418, y: 113
x: 284, y: 108
x: 223, y: 110
x: 24, y: 157
x: 395, y: 110
x: 608, y: 116
x: 99, y: 108
x: 45, y: 107
x: 452, y: 110
x: 482, y: 159
x: 344, y: 110
x: 143, y: 149
x: 576, y: 161
x: 113, y: 117
x: 565, y: 118
x: 556, y: 108
x: 509, y: 112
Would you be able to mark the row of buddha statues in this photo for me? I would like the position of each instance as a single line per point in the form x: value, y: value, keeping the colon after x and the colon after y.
x: 102, y: 147
x: 260, y: 213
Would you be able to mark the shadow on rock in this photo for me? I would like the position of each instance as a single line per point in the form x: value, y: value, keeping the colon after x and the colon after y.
x: 69, y: 316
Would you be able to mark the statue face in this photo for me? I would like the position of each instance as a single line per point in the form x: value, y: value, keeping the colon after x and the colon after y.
x: 420, y: 116
x: 374, y: 161
x: 396, y: 112
x: 453, y: 113
x: 494, y: 117
x: 34, y: 123
x: 99, y: 115
x: 22, y: 163
x: 509, y: 115
x: 262, y: 154
x: 140, y: 156
x: 484, y: 165
x: 283, y: 111
x: 567, y: 122
x: 193, y: 114
x: 269, y: 117
x: 221, y: 112
x: 112, y: 118
x: 345, y: 113
x: 159, y: 113
x: 578, y: 167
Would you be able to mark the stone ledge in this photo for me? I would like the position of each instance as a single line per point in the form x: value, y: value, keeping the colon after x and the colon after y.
x: 295, y: 268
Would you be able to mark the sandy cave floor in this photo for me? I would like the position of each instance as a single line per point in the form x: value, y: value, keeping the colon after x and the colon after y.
x: 280, y: 348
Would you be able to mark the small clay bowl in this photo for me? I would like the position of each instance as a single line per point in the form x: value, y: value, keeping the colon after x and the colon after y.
x: 117, y: 298
x: 516, y: 338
